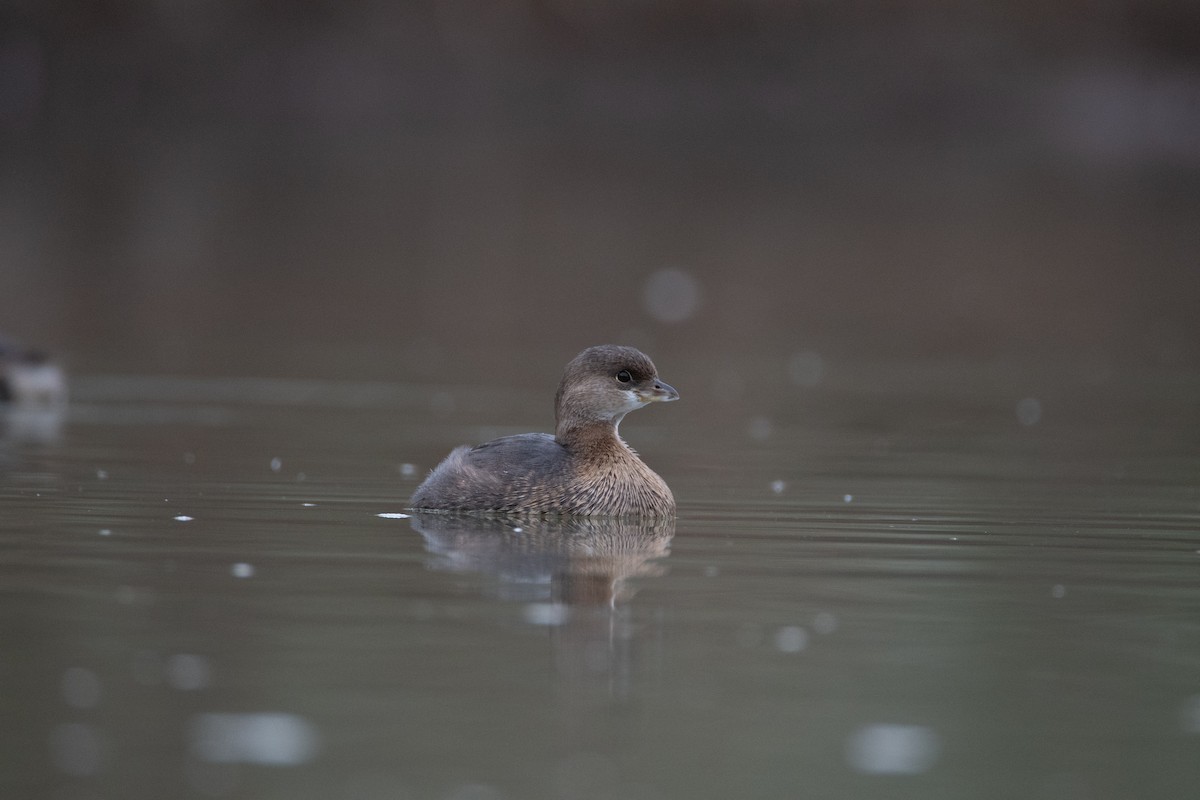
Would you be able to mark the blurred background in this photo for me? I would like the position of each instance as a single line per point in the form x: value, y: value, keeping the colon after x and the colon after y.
x: 377, y: 190
x: 922, y: 272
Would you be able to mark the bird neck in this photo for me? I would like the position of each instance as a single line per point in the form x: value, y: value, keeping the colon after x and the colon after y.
x: 593, y: 436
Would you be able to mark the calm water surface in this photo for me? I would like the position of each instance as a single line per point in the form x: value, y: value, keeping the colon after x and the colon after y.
x: 905, y: 582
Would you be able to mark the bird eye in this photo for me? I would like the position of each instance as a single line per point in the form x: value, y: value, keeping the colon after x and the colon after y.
x: 624, y: 377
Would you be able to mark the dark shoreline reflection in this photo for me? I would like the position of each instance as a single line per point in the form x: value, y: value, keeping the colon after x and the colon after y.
x: 576, y: 561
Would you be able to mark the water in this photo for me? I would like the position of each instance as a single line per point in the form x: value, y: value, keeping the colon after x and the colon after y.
x: 885, y: 581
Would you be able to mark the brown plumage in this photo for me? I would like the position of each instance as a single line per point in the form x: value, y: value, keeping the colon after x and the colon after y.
x: 584, y: 468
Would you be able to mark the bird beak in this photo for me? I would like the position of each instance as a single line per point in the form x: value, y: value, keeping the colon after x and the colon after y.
x: 661, y: 393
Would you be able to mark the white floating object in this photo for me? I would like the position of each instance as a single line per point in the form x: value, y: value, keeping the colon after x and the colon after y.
x: 183, y: 518
x: 242, y: 570
x: 791, y: 639
x: 550, y: 614
x: 392, y: 515
x: 273, y: 738
x: 276, y: 464
x: 778, y: 486
x: 847, y: 498
x: 890, y: 749
x: 105, y: 532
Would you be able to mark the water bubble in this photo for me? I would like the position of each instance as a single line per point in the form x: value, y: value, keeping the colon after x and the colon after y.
x: 671, y: 295
x: 889, y: 749
x: 102, y: 474
x: 550, y: 614
x: 105, y: 532
x: 257, y: 738
x: 80, y: 688
x: 791, y: 639
x: 408, y: 470
x: 276, y: 464
x: 242, y: 570
x: 806, y: 368
x: 847, y: 498
x: 1029, y: 411
x: 75, y: 749
x: 188, y: 673
x: 778, y: 486
x: 518, y: 529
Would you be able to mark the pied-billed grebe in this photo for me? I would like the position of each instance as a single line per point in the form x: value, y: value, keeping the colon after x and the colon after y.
x: 29, y: 378
x: 584, y: 468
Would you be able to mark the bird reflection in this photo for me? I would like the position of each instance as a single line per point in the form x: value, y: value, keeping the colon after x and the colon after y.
x: 573, y: 574
x: 577, y: 561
